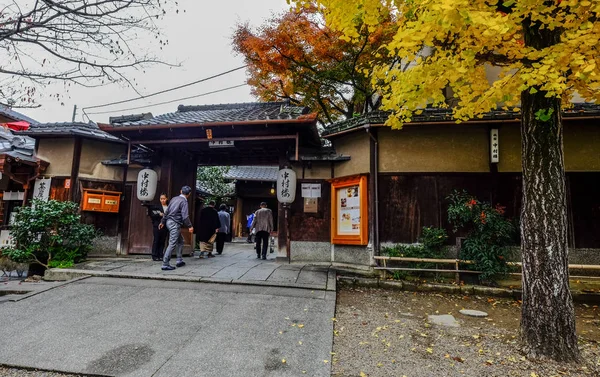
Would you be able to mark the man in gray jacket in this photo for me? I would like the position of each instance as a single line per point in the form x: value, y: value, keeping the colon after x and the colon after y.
x: 263, y: 223
x: 176, y: 216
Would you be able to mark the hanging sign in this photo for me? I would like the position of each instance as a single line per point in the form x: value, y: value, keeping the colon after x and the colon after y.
x: 286, y: 186
x: 221, y: 144
x: 146, y: 185
x: 41, y: 190
x: 494, y: 146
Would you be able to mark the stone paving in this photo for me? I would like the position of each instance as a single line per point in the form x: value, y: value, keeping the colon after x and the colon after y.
x: 237, y: 265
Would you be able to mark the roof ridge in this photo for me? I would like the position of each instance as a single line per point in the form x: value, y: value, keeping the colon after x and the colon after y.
x: 229, y: 106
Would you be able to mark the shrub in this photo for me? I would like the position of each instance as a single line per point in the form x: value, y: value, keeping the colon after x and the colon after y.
x: 50, y: 234
x: 489, y: 233
x: 431, y: 245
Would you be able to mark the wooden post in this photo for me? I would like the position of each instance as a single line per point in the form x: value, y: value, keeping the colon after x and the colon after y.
x: 457, y: 276
x: 75, y: 168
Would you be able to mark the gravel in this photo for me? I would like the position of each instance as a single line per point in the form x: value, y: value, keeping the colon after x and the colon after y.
x: 386, y: 333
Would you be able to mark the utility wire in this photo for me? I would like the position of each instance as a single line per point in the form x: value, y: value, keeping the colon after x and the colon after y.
x: 167, y: 90
x: 166, y: 102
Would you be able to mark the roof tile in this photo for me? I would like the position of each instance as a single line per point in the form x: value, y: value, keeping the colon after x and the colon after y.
x: 233, y: 112
x: 253, y: 173
x: 86, y: 130
x: 438, y: 115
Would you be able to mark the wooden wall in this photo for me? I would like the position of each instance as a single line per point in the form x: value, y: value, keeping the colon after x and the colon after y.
x: 409, y: 202
x: 313, y: 227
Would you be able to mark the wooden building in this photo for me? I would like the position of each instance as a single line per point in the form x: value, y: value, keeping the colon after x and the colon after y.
x: 257, y: 134
x: 410, y: 172
x: 19, y: 167
x: 364, y: 186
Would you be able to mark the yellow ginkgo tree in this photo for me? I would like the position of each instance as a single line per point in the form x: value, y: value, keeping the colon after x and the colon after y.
x: 546, y: 51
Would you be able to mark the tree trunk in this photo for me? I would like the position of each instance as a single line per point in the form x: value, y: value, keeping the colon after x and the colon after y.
x: 548, y: 315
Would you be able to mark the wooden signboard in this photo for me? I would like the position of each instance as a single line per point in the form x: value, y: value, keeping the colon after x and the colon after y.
x: 100, y: 201
x: 349, y: 211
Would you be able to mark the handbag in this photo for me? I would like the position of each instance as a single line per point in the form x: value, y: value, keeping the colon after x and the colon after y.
x: 206, y: 247
x: 213, y: 238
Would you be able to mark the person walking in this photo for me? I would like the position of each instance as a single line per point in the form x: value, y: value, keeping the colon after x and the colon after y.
x: 156, y: 213
x: 263, y: 223
x: 249, y: 220
x: 223, y: 231
x: 176, y: 216
x: 209, y: 225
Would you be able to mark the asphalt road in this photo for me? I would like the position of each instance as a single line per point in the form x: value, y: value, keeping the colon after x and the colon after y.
x: 127, y: 327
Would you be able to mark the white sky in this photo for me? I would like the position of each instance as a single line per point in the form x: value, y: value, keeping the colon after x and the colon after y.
x: 199, y: 39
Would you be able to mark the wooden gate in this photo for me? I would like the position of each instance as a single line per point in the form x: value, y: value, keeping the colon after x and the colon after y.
x: 140, y: 229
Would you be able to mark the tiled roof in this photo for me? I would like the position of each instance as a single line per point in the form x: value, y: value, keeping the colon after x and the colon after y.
x: 138, y: 156
x: 234, y: 112
x: 253, y: 173
x: 130, y: 118
x: 85, y: 130
x: 20, y: 147
x: 10, y: 113
x: 438, y: 115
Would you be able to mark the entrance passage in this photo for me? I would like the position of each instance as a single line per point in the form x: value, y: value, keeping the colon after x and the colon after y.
x: 248, y: 134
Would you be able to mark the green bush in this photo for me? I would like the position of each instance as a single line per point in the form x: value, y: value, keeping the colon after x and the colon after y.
x: 489, y: 233
x: 431, y: 245
x: 50, y: 234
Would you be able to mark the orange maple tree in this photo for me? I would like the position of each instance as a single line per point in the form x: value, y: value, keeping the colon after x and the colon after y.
x: 295, y: 56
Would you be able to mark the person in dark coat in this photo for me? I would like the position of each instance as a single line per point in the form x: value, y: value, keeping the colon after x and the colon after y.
x: 156, y: 213
x: 209, y: 225
x: 225, y: 220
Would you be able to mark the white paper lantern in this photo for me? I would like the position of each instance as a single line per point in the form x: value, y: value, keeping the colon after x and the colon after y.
x: 286, y: 186
x: 146, y: 185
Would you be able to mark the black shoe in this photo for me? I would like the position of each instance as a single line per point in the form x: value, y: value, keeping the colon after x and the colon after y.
x: 180, y: 264
x: 264, y: 258
x: 258, y: 256
x: 156, y: 259
x: 167, y: 268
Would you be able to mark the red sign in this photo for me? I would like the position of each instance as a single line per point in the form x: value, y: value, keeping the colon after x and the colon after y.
x: 68, y: 183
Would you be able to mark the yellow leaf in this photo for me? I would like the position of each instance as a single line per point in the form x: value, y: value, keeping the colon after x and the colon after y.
x: 283, y: 361
x: 430, y: 350
x: 362, y: 374
x: 300, y: 326
x: 325, y: 361
x: 300, y: 342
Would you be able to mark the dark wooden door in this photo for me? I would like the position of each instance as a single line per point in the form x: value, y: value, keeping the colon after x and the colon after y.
x: 140, y: 226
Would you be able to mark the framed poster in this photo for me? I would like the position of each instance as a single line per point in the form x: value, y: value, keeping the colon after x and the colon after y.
x: 349, y: 211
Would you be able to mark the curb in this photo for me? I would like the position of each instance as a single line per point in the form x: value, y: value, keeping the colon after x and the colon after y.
x: 56, y: 274
x: 18, y: 298
x: 467, y: 290
x: 33, y: 369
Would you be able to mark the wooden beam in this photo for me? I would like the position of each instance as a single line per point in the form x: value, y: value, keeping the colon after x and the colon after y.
x: 266, y: 122
x: 206, y: 140
x: 75, y: 167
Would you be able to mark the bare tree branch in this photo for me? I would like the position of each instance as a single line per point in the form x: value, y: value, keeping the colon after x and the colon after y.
x: 84, y: 42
